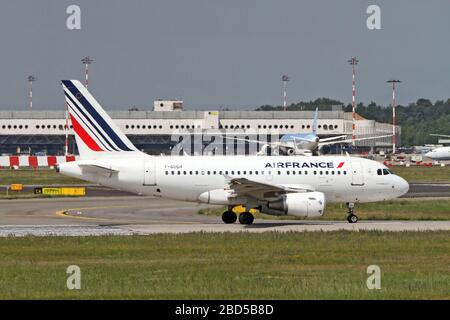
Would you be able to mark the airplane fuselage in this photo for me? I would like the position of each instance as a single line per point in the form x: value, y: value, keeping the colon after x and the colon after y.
x: 442, y: 153
x: 341, y: 179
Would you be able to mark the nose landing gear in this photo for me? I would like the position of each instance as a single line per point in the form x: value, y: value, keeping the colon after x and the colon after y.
x: 351, y: 218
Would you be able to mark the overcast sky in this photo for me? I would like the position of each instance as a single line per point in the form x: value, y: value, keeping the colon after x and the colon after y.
x: 228, y: 53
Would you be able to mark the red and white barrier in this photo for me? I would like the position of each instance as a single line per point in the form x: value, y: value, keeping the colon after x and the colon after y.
x: 34, y: 161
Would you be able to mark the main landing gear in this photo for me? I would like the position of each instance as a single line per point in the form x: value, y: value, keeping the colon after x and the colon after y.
x: 246, y: 218
x: 351, y: 218
x: 230, y: 217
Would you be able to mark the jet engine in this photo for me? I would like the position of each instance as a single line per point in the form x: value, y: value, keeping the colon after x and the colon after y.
x: 305, y: 204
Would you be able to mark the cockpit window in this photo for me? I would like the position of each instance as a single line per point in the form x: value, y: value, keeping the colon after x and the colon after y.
x: 383, y: 172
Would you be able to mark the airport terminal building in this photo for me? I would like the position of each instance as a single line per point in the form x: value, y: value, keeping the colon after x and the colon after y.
x: 44, y: 132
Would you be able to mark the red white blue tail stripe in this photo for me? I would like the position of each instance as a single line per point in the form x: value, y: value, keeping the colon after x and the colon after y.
x: 91, y: 123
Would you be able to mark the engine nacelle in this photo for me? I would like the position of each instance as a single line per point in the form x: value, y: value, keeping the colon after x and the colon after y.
x: 216, y: 196
x: 306, y: 204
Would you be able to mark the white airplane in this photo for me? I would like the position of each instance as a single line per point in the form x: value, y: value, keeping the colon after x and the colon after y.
x: 303, y: 143
x: 441, y: 153
x: 298, y: 185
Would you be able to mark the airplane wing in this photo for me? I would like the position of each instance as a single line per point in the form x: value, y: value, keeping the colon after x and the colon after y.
x: 333, y: 138
x: 259, y: 190
x: 96, y: 169
x: 350, y: 140
x: 255, y: 141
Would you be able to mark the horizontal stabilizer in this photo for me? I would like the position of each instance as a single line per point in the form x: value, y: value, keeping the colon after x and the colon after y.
x: 96, y: 169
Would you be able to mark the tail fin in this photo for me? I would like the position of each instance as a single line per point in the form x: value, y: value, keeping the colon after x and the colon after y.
x: 96, y: 133
x: 314, y: 127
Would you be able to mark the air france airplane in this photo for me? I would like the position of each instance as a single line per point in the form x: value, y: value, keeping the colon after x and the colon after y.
x: 298, y: 185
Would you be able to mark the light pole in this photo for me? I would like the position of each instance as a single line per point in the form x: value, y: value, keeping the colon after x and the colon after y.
x: 353, y: 62
x: 31, y: 79
x: 284, y: 79
x: 87, y: 61
x: 394, y: 137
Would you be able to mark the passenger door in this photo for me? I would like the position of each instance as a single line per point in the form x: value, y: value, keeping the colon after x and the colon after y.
x: 149, y: 173
x: 357, y: 173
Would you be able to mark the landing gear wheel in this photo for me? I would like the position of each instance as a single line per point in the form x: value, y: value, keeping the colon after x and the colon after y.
x: 229, y: 217
x: 246, y: 218
x: 352, y: 218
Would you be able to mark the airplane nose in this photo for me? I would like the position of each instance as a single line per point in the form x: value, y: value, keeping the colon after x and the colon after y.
x: 402, y: 186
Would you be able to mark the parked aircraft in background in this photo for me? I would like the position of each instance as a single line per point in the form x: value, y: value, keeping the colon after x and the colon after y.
x: 298, y: 185
x: 441, y: 153
x: 303, y: 143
